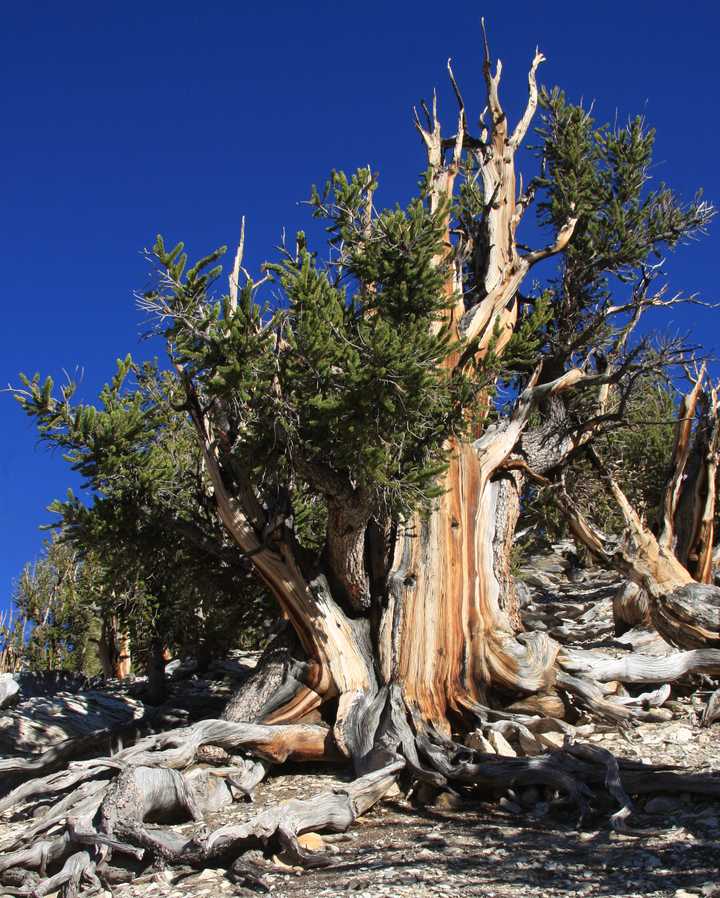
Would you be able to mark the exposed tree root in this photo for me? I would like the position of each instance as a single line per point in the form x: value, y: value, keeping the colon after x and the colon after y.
x: 389, y: 739
x: 333, y: 811
x: 48, y: 785
x: 639, y: 668
x: 38, y: 855
x: 110, y: 806
x: 78, y: 868
x: 277, y: 743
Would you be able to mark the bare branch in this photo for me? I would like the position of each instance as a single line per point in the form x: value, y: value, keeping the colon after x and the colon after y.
x: 458, y: 95
x: 524, y: 123
x: 561, y: 241
x: 681, y: 453
x: 235, y: 276
x: 492, y: 82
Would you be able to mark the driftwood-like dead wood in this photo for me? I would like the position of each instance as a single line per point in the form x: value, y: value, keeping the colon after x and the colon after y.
x: 388, y: 739
x: 631, y: 608
x: 55, y: 756
x: 689, y: 617
x: 39, y: 723
x: 51, y: 784
x: 82, y: 802
x: 712, y: 709
x: 80, y: 833
x: 142, y: 793
x: 638, y: 668
x: 78, y: 868
x: 684, y: 612
x: 277, y: 743
x: 38, y: 855
x: 333, y: 811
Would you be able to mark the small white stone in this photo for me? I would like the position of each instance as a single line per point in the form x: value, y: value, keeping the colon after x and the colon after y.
x: 551, y: 740
x: 210, y: 873
x: 501, y: 745
x: 681, y: 736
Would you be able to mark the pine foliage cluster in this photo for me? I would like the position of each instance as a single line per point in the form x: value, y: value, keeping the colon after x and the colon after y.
x: 340, y: 388
x: 157, y: 556
x: 602, y: 175
x: 55, y: 625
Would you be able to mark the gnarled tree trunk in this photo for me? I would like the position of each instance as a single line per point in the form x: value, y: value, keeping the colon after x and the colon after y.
x: 428, y: 607
x: 673, y: 570
x: 114, y: 649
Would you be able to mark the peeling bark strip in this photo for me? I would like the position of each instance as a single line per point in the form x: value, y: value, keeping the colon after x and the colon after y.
x: 449, y: 627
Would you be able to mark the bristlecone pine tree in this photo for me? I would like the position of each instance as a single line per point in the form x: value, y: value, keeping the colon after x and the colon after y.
x: 159, y: 570
x: 367, y: 403
x: 669, y: 558
x: 53, y: 600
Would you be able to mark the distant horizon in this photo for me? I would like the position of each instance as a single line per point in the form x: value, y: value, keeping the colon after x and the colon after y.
x: 127, y: 123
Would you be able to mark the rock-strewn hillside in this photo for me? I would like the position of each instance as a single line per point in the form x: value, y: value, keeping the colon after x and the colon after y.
x: 430, y: 842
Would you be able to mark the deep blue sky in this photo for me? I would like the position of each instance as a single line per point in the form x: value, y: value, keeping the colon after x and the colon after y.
x: 125, y: 119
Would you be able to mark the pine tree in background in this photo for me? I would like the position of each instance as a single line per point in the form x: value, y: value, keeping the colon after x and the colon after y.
x: 57, y: 600
x: 638, y: 451
x: 164, y: 576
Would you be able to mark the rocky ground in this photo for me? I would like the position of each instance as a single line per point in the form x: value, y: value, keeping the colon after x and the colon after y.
x: 525, y: 845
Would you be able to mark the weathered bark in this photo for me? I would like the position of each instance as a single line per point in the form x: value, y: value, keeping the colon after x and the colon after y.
x: 345, y: 551
x: 631, y: 608
x: 114, y: 649
x: 277, y: 690
x: 448, y: 631
x: 689, y: 617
